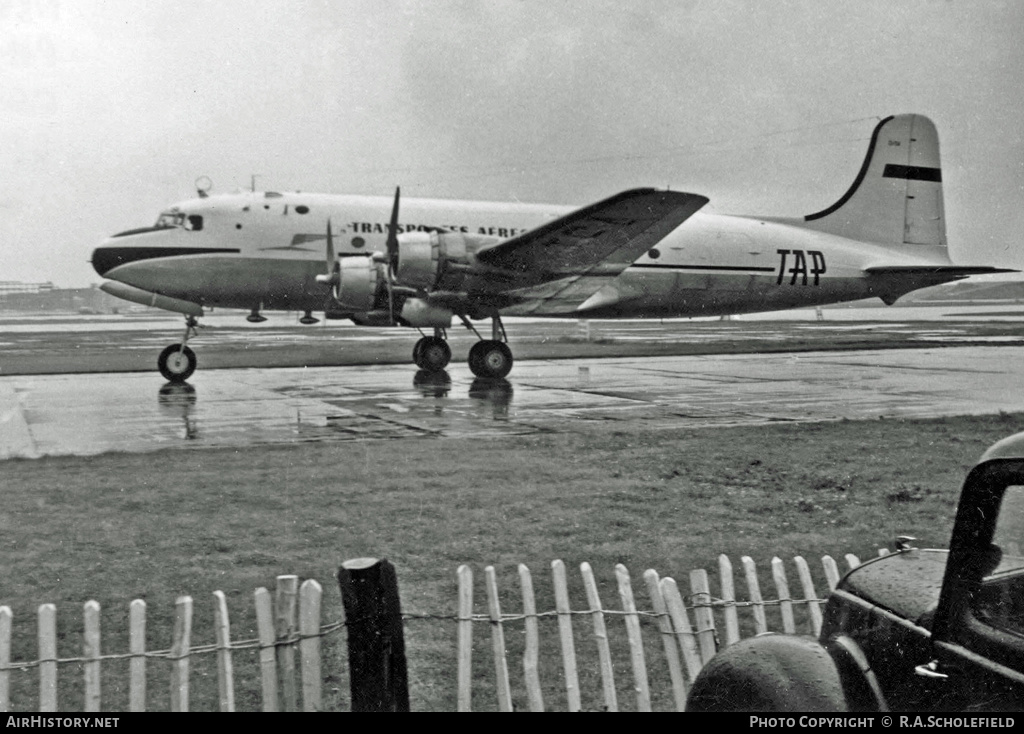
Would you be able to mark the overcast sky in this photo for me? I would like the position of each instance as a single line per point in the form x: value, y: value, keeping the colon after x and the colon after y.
x: 110, y: 109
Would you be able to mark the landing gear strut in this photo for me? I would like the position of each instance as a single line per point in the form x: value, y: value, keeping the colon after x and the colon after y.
x: 177, y: 362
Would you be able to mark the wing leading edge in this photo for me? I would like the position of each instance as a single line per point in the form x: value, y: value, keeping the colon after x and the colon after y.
x: 557, y: 266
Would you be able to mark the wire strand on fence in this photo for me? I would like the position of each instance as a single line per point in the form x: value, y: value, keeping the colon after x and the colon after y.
x: 328, y: 629
x: 251, y: 644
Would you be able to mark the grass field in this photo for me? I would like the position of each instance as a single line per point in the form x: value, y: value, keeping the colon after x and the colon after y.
x: 154, y: 526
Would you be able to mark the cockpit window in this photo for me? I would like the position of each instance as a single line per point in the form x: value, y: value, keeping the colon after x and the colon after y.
x: 172, y: 218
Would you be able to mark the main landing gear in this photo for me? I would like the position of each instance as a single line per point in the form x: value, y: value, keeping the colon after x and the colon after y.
x: 177, y: 362
x: 489, y: 358
x: 432, y: 353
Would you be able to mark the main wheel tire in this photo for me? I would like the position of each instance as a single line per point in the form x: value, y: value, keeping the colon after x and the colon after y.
x: 490, y: 358
x: 417, y: 350
x: 475, y: 359
x: 176, y: 363
x: 434, y: 354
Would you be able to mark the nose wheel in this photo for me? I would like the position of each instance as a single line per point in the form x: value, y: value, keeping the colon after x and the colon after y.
x: 177, y: 363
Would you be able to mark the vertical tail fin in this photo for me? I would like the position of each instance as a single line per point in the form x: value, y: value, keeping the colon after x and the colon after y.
x: 896, y: 198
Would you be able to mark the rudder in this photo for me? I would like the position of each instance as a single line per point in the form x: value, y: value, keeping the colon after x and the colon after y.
x: 896, y: 198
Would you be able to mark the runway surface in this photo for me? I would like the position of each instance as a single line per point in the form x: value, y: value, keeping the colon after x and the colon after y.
x: 51, y: 415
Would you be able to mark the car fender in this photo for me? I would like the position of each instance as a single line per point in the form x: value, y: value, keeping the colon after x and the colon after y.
x: 776, y: 672
x: 860, y: 684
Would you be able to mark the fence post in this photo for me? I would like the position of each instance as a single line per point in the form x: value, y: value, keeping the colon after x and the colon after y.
x: 636, y: 645
x: 137, y: 664
x: 310, y: 594
x: 180, y: 651
x: 376, y: 646
x: 531, y: 655
x: 572, y: 679
x: 225, y: 666
x: 6, y: 620
x: 91, y: 653
x: 501, y: 681
x: 604, y: 654
x: 465, y: 671
x: 48, y: 658
x: 285, y: 603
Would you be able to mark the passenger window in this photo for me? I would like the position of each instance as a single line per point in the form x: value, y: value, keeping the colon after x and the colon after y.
x: 1001, y: 600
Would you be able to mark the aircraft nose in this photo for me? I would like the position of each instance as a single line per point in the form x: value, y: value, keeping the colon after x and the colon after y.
x: 128, y: 247
x: 106, y: 258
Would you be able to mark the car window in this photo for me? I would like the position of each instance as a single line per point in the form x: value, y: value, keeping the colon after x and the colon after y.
x: 1001, y: 599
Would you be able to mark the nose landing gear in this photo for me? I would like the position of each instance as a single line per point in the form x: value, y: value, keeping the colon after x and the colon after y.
x: 177, y: 362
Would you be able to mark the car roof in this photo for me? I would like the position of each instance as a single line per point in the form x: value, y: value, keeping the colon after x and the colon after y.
x: 1011, y: 447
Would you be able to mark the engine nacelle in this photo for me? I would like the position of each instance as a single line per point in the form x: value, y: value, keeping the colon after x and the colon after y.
x: 424, y: 256
x: 358, y: 281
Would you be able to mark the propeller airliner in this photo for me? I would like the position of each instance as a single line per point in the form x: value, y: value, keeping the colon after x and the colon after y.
x: 423, y: 263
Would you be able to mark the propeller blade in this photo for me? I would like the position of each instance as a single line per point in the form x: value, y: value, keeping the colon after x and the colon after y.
x: 392, y: 248
x: 331, y: 277
x: 392, y: 243
x: 330, y: 246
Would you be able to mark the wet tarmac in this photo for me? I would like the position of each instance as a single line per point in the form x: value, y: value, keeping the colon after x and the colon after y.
x: 50, y: 415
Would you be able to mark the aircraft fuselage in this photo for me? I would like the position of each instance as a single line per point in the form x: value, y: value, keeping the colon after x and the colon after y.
x: 264, y: 250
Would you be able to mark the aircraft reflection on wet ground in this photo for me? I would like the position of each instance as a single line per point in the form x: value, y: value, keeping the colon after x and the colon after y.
x: 178, y: 399
x: 495, y: 391
x: 75, y: 414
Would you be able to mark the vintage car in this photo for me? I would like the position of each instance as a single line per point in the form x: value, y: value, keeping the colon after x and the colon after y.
x: 921, y: 630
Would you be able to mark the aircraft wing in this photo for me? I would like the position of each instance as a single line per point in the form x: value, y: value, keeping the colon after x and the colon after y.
x: 557, y: 266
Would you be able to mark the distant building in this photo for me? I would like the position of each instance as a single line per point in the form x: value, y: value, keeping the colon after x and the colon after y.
x: 14, y: 286
x: 45, y: 297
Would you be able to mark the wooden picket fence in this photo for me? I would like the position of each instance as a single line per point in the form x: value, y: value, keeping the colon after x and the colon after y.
x: 687, y: 628
x: 691, y: 629
x: 288, y: 620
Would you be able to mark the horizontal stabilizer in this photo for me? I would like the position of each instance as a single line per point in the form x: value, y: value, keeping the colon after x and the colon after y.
x: 949, y: 271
